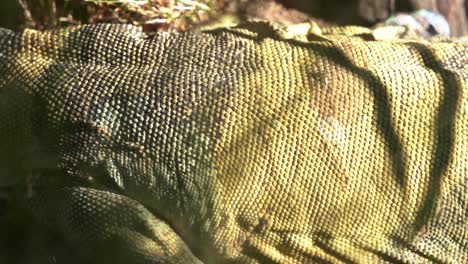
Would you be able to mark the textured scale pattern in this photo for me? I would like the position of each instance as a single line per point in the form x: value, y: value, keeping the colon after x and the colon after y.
x: 238, y: 145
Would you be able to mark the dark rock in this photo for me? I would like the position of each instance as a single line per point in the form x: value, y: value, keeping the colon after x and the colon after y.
x: 370, y: 12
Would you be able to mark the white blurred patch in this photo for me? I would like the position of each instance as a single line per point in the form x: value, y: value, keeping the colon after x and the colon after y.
x: 332, y: 131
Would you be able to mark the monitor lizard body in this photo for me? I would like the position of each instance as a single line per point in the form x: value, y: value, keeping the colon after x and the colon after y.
x: 241, y: 145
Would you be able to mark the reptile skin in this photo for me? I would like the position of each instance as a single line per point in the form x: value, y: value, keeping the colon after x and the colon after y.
x: 241, y: 145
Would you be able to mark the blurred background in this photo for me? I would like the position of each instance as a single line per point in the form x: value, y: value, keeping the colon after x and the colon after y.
x: 170, y: 15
